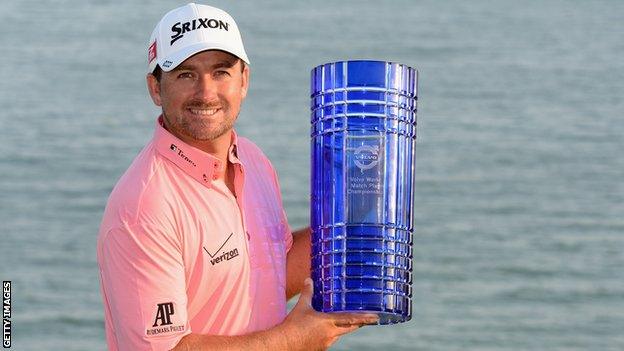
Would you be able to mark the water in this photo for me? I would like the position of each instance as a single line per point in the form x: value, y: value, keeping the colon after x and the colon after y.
x: 519, y: 195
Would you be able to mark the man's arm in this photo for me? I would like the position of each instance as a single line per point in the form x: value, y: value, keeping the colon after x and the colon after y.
x: 298, y: 262
x: 304, y: 329
x: 264, y: 340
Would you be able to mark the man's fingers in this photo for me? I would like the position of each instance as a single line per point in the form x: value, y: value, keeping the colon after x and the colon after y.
x: 348, y: 324
x: 347, y: 329
x: 354, y: 319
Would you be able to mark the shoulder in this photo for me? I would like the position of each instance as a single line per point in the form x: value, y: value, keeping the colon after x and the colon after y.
x: 141, y: 192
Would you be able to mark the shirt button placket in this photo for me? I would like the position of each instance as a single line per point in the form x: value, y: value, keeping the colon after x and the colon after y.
x: 215, y: 173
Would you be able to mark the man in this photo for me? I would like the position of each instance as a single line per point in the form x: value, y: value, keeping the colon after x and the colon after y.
x: 194, y: 249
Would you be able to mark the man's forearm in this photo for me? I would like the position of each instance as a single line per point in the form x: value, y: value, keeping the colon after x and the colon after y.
x: 271, y: 339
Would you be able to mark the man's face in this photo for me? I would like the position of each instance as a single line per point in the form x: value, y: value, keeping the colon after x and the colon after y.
x: 201, y: 97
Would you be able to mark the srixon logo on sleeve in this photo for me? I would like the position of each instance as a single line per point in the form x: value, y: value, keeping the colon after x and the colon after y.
x: 180, y: 28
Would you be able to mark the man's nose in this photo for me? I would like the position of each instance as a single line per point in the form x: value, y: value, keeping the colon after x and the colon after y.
x: 206, y: 88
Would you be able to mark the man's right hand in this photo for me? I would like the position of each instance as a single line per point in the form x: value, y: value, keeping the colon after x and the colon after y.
x: 306, y: 329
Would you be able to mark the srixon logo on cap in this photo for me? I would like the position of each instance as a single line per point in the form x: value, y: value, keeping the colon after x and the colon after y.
x: 180, y: 28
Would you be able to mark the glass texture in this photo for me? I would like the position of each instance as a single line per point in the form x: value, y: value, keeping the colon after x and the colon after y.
x: 363, y: 131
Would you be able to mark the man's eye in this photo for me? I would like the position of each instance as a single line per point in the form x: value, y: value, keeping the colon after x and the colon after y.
x: 221, y: 73
x: 185, y: 75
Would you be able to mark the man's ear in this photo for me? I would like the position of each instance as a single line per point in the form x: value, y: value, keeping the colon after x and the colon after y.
x: 153, y: 86
x: 245, y: 81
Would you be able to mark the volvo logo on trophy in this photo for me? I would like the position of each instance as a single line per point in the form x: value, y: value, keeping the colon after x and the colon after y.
x: 366, y: 157
x: 363, y: 131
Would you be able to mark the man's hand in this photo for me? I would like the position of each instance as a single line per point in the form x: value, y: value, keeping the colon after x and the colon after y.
x: 307, y: 329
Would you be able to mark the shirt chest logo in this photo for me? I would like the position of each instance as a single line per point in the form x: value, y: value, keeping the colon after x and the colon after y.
x: 220, y: 255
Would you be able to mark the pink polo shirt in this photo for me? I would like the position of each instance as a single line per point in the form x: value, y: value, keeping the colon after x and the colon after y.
x: 179, y: 253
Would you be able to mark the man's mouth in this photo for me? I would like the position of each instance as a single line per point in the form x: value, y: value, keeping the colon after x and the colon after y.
x: 204, y: 111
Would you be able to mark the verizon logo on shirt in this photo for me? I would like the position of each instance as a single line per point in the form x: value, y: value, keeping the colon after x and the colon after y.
x: 225, y: 256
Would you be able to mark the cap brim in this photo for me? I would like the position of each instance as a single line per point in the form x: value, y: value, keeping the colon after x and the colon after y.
x: 173, y: 60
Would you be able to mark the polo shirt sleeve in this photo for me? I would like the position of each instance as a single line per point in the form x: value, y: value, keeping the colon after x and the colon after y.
x: 143, y: 281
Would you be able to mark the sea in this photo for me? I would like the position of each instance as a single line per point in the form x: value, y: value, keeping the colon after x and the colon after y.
x: 519, y: 200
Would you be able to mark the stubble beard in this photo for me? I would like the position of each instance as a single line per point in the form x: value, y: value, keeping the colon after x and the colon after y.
x: 201, y: 129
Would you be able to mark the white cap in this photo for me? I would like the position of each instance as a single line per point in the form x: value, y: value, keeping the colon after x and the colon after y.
x: 190, y: 29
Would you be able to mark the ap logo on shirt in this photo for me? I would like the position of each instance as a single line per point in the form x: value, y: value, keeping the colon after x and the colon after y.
x: 165, y: 310
x: 162, y: 322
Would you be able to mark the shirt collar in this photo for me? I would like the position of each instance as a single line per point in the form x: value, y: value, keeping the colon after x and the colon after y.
x: 233, y: 150
x: 200, y: 165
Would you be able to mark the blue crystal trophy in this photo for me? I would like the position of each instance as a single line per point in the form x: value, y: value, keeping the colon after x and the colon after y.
x: 363, y: 135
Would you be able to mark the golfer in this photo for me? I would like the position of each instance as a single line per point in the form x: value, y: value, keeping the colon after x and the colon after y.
x: 194, y: 249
